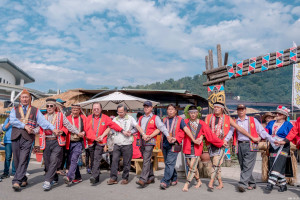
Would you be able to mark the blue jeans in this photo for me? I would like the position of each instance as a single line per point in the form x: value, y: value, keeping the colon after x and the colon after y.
x: 8, y: 156
x: 170, y: 174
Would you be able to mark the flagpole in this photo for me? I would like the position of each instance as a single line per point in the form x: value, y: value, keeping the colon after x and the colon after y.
x: 293, y: 79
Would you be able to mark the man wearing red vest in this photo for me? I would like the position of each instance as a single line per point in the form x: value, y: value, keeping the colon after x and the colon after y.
x: 220, y: 125
x: 151, y: 125
x: 53, y: 143
x: 74, y: 143
x: 177, y: 129
x: 245, y: 147
x: 98, y: 126
x: 293, y: 136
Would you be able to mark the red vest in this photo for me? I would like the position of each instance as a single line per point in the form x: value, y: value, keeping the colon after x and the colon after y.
x: 68, y: 137
x: 294, y: 134
x: 226, y: 126
x: 187, y: 142
x: 104, y: 123
x: 58, y: 124
x: 150, y: 128
x: 179, y: 134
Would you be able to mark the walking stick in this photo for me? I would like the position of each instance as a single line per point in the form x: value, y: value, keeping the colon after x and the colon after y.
x: 219, y: 162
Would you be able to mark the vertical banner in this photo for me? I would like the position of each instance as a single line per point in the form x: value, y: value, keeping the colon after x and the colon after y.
x: 279, y: 58
x: 230, y: 70
x: 252, y: 65
x: 296, y: 86
x: 265, y: 62
x: 239, y: 69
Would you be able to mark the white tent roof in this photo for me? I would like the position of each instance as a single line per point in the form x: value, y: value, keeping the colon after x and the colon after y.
x: 111, y: 101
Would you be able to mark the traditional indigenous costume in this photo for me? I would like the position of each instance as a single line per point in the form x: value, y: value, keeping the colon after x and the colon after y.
x: 53, y: 145
x: 75, y: 144
x: 175, y: 128
x: 219, y: 126
x: 192, y: 150
x: 278, y: 154
x: 22, y: 141
x: 95, y: 128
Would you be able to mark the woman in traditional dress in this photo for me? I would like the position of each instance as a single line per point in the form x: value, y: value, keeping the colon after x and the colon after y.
x: 279, y: 129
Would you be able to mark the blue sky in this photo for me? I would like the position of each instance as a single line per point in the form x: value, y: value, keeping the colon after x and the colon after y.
x: 67, y: 44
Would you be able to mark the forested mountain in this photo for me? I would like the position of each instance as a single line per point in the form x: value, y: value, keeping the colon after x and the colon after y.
x: 270, y: 86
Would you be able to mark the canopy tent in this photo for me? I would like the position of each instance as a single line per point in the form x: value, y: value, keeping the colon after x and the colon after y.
x: 111, y: 101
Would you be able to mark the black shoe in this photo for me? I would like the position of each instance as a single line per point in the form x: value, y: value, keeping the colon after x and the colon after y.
x: 94, y: 180
x: 282, y: 188
x: 241, y: 189
x: 269, y: 187
x: 4, y: 176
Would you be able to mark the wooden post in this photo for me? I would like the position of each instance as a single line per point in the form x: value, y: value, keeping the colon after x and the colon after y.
x: 211, y: 59
x: 219, y: 55
x: 226, y: 58
x: 206, y: 63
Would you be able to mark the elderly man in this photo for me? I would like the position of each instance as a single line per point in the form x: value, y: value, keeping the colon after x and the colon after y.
x: 122, y: 145
x: 220, y: 125
x: 23, y: 119
x: 98, y: 126
x: 74, y: 144
x: 246, y: 149
x: 151, y: 125
x: 52, y: 143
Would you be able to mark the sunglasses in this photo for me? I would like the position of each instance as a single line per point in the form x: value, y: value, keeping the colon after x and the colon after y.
x: 49, y: 106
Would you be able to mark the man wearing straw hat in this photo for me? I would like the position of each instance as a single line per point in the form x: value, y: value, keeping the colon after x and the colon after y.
x: 24, y: 118
x: 52, y: 143
x: 246, y: 149
x: 74, y: 143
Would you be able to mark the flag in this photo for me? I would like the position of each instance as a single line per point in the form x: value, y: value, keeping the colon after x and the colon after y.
x: 279, y: 58
x: 252, y: 65
x: 265, y: 62
x: 230, y: 70
x: 239, y: 69
x: 293, y: 55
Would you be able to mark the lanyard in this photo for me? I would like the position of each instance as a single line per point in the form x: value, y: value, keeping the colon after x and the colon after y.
x: 97, y: 132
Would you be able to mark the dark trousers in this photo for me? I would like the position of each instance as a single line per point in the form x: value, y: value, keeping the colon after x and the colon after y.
x: 21, y: 148
x: 170, y: 174
x: 8, y: 160
x: 247, y: 160
x: 74, y: 153
x: 52, y: 158
x: 97, y: 151
x: 147, y: 171
x: 126, y: 151
x: 89, y: 158
x: 64, y: 159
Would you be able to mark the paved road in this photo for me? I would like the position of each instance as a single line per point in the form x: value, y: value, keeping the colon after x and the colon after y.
x: 103, y: 191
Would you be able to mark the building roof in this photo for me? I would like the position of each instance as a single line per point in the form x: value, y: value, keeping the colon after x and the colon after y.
x: 16, y: 71
x: 162, y: 96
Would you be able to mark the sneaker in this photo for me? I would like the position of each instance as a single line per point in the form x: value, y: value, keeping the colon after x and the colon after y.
x: 269, y: 187
x: 67, y: 180
x: 53, y: 183
x: 12, y: 176
x: 75, y: 181
x: 47, y: 186
x: 27, y: 174
x: 4, y: 176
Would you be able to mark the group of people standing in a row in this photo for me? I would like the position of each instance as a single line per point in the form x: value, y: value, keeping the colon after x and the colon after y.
x: 76, y: 132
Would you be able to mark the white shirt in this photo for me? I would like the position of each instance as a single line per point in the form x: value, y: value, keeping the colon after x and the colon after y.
x: 127, y: 123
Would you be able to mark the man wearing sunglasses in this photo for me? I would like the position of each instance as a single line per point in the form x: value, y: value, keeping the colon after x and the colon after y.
x: 24, y: 118
x: 52, y: 143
